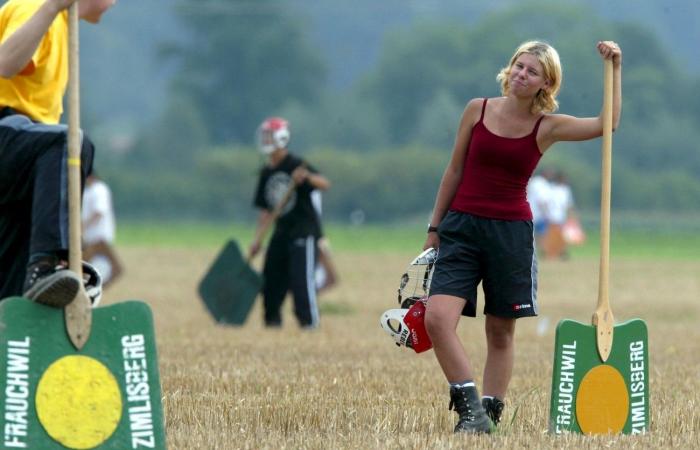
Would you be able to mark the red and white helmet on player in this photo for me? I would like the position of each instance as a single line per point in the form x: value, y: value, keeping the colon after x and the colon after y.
x: 273, y: 133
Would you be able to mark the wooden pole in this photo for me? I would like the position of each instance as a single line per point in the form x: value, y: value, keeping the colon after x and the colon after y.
x: 78, y: 313
x: 603, y: 317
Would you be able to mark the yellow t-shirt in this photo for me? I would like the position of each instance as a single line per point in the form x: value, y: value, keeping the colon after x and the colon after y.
x: 37, y: 91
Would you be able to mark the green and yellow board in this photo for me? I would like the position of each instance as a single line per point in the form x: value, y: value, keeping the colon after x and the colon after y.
x: 592, y: 397
x: 105, y: 396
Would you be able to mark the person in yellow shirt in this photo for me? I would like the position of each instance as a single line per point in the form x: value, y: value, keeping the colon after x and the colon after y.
x: 33, y: 148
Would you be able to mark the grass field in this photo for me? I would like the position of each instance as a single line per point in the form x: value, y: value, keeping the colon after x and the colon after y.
x: 630, y: 242
x: 347, y: 386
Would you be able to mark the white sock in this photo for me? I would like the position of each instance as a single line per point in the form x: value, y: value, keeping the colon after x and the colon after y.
x: 463, y: 384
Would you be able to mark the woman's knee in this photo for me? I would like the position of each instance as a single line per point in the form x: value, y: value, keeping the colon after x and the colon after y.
x: 500, y: 332
x: 433, y: 323
x: 441, y: 317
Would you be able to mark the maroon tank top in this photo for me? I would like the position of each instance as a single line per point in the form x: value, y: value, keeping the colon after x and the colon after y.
x: 496, y: 172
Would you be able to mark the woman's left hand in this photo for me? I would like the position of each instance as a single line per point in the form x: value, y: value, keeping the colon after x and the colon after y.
x: 432, y: 241
x: 610, y: 50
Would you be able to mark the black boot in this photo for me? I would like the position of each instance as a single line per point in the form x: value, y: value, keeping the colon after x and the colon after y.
x: 494, y: 408
x: 50, y: 283
x: 472, y: 417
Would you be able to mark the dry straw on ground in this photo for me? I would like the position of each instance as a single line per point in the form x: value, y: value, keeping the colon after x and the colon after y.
x: 347, y: 386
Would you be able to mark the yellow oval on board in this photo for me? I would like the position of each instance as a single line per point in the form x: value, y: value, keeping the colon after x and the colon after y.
x: 602, y: 401
x: 78, y: 402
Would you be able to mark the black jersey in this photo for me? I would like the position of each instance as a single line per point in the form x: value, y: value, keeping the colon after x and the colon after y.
x: 298, y: 218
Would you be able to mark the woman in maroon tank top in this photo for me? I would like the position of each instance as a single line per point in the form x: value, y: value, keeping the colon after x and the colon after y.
x: 482, y: 223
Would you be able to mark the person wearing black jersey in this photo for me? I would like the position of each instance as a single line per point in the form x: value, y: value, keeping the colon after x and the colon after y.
x: 290, y: 260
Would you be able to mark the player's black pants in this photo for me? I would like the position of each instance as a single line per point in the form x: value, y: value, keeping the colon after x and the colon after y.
x: 33, y: 193
x: 290, y: 264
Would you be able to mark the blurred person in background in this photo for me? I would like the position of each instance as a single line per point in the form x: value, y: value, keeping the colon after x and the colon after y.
x: 99, y: 229
x: 290, y: 260
x: 326, y: 273
x: 33, y: 149
x: 538, y: 192
x: 482, y: 222
x: 564, y: 227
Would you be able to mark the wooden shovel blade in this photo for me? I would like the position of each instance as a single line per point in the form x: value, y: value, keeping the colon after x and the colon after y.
x: 78, y: 319
x: 604, y: 324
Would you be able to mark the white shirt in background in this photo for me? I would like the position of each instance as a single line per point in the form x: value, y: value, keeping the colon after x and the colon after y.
x: 560, y: 201
x: 538, y: 193
x: 97, y: 199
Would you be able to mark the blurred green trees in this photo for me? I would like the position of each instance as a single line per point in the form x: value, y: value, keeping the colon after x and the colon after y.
x: 239, y: 61
x: 385, y: 140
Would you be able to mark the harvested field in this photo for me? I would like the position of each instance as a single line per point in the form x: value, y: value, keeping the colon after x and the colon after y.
x: 347, y: 386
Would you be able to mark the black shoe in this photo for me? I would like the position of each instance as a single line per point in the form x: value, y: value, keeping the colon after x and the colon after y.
x: 50, y: 284
x: 494, y: 408
x: 472, y: 417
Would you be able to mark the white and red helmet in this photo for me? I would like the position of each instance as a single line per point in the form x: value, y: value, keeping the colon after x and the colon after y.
x: 273, y: 133
x: 406, y: 324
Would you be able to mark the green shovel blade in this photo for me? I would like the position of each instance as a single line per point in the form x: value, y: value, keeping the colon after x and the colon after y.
x: 230, y: 286
x: 106, y: 395
x: 592, y: 397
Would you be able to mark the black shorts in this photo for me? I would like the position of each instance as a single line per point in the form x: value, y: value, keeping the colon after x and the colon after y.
x: 499, y: 253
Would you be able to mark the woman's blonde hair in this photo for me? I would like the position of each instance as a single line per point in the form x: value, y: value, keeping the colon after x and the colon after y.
x: 546, y: 99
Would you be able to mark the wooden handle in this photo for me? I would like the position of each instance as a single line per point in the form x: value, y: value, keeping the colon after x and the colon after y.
x: 78, y: 313
x: 603, y: 317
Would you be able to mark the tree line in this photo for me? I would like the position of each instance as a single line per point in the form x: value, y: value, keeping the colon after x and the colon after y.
x: 385, y: 140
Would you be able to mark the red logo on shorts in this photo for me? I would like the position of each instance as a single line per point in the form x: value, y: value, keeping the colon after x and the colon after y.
x: 521, y: 306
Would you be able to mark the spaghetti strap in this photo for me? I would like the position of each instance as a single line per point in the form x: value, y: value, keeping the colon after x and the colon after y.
x: 483, y: 110
x: 537, y: 125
